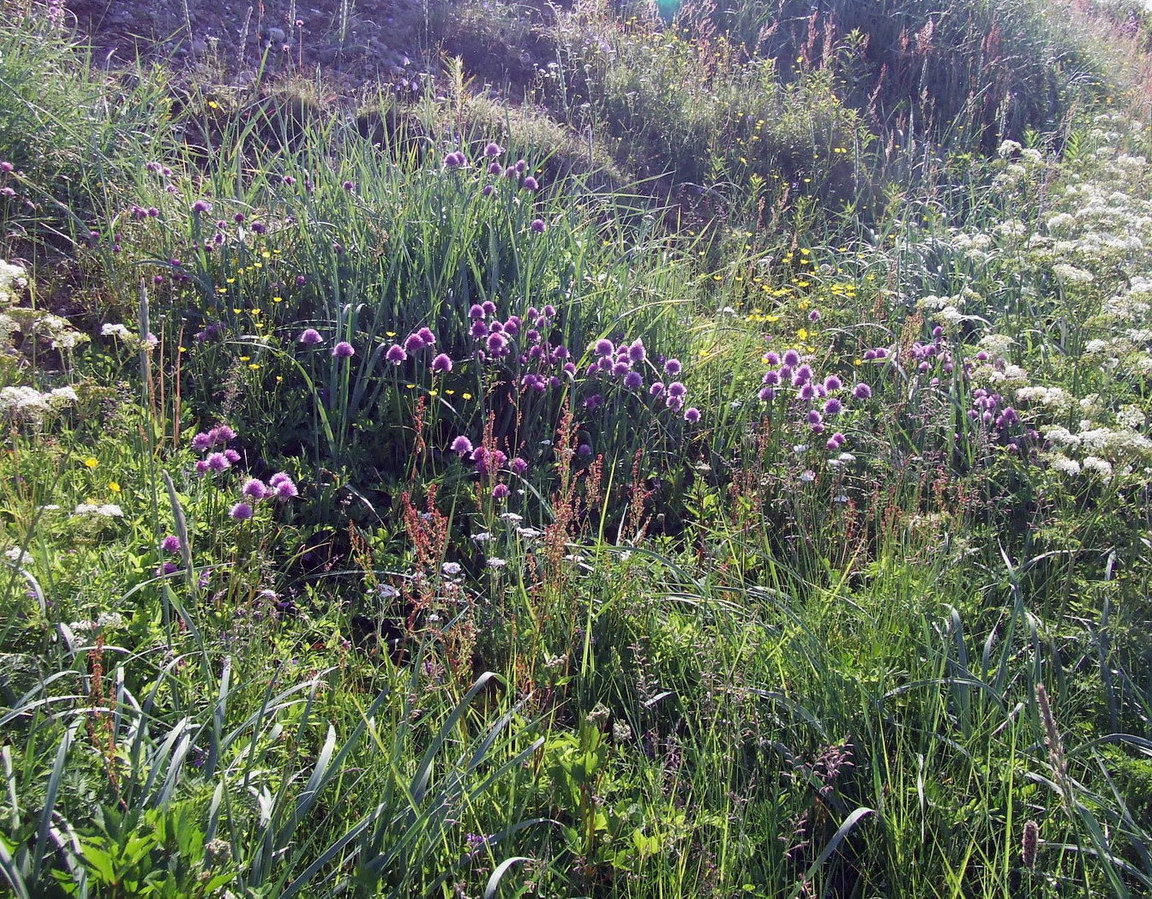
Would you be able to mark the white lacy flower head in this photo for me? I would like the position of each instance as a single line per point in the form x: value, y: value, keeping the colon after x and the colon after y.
x: 118, y: 331
x: 995, y: 344
x: 1072, y: 274
x: 92, y: 510
x: 1098, y: 466
x: 1061, y: 437
x: 12, y: 277
x: 1131, y: 417
x: 1008, y: 149
x: 1064, y: 465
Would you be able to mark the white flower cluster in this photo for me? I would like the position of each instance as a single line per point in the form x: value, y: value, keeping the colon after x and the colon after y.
x: 30, y: 404
x: 92, y: 510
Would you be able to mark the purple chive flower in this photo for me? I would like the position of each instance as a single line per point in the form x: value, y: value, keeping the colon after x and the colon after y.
x: 772, y: 357
x: 497, y: 343
x: 692, y: 415
x: 489, y: 307
x: 815, y: 418
x: 493, y: 149
x: 284, y: 486
x: 202, y: 464
x: 672, y: 367
x: 833, y: 406
x: 257, y: 227
x: 537, y: 226
x: 396, y: 354
x: 218, y: 462
x: 462, y: 446
x: 604, y: 347
x: 476, y: 311
x: 255, y: 489
x: 170, y: 544
x: 413, y: 343
x: 201, y: 442
x: 791, y: 358
x: 771, y: 378
x: 807, y: 392
x: 201, y: 207
x: 232, y: 456
x: 241, y: 512
x: 442, y: 363
x: 636, y: 351
x: 349, y: 185
x: 862, y: 391
x: 675, y: 403
x: 584, y: 450
x: 767, y: 394
x: 633, y: 380
x: 500, y: 491
x: 518, y: 466
x: 814, y: 315
x: 832, y: 383
x: 311, y: 337
x: 427, y: 336
x: 343, y: 350
x: 656, y: 389
x: 222, y: 434
x: 530, y: 183
x: 301, y: 280
x: 494, y: 168
x: 167, y: 568
x: 676, y: 390
x: 620, y: 369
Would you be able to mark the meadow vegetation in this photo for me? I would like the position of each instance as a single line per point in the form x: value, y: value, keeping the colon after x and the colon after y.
x: 722, y: 471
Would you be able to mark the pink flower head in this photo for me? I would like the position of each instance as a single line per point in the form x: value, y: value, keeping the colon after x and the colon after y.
x: 218, y: 462
x: 462, y: 446
x: 442, y: 363
x: 862, y: 391
x: 311, y: 337
x: 792, y: 358
x: 500, y: 491
x: 284, y: 486
x: 427, y: 336
x: 676, y: 389
x: 241, y: 512
x: 255, y: 489
x: 537, y: 226
x: 413, y: 344
x: 636, y: 351
x: 396, y: 354
x: 170, y: 544
x: 672, y: 367
x: 530, y: 183
x: 692, y: 415
x: 232, y: 456
x: 518, y: 466
x: 343, y: 350
x: 605, y: 347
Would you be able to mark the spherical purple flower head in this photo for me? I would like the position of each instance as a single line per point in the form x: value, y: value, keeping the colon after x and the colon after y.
x: 814, y: 315
x: 343, y: 350
x: 676, y: 389
x: 869, y: 355
x: 672, y: 367
x: 259, y: 228
x: 255, y: 489
x: 221, y: 434
x: 593, y: 401
x: 241, y: 512
x: 521, y: 166
x: 413, y: 344
x: 201, y: 207
x: 395, y: 354
x: 201, y: 442
x: 500, y: 491
x: 494, y: 168
x: 833, y: 407
x: 636, y: 351
x: 656, y: 389
x: 862, y: 391
x: 311, y: 337
x: 692, y: 415
x: 621, y: 368
x: 604, y: 347
x: 771, y: 378
x: 454, y: 160
x: 427, y: 336
x: 479, y: 329
x: 493, y: 149
x: 767, y: 394
x: 803, y: 375
x: 807, y: 391
x: 170, y: 544
x: 289, y: 180
x: 584, y: 450
x: 537, y: 226
x: 772, y: 357
x: 510, y: 173
x: 633, y: 380
x: 284, y: 486
x: 791, y: 358
x: 442, y: 363
x: 218, y: 462
x: 301, y: 280
x: 512, y: 326
x: 497, y: 343
x: 167, y: 568
x: 349, y: 185
x: 7, y: 167
x: 814, y: 417
x: 530, y: 183
x: 832, y: 383
x: 489, y: 307
x: 518, y: 466
x: 675, y: 403
x: 462, y: 446
x: 202, y: 464
x: 232, y: 456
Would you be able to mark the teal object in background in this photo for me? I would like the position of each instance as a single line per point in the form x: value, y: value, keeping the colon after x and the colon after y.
x: 668, y: 9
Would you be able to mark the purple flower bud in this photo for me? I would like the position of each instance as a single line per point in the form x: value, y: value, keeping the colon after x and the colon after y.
x: 604, y: 347
x: 311, y: 337
x: 241, y: 512
x: 170, y: 544
x: 692, y: 415
x: 343, y: 350
x: 814, y: 315
x: 442, y: 363
x: 254, y: 488
x: 500, y: 491
x: 538, y: 226
x: 530, y: 183
x: 862, y: 391
x: 676, y: 389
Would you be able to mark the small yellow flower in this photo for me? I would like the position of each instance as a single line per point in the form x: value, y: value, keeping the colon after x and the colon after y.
x: 277, y: 299
x: 254, y: 366
x: 465, y: 396
x: 245, y: 358
x: 91, y: 462
x: 113, y: 486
